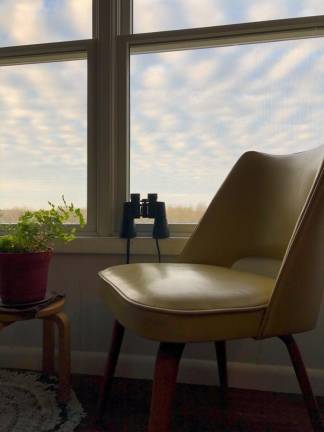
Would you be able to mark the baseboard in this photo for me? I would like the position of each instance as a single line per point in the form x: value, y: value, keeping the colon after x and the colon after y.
x: 241, y: 375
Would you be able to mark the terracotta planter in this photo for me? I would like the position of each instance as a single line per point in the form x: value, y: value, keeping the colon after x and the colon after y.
x: 23, y: 276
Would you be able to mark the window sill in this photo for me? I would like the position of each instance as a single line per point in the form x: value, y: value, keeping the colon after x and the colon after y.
x: 117, y: 246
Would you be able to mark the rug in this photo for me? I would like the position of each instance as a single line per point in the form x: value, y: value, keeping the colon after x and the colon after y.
x: 28, y: 403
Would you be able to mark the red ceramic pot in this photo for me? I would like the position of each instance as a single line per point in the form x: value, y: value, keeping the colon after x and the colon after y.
x: 23, y: 276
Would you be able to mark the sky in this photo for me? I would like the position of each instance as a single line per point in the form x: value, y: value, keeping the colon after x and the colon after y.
x: 43, y: 107
x: 193, y: 112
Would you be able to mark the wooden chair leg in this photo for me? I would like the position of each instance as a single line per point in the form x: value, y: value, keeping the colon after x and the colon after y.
x: 304, y: 383
x: 165, y: 375
x: 222, y: 369
x: 115, y: 345
x: 48, y: 347
x: 64, y: 354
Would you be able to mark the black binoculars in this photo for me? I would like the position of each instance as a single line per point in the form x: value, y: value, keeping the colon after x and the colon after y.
x: 148, y: 207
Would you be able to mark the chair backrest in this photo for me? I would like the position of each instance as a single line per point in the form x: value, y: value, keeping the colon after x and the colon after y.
x: 273, y: 207
x: 296, y: 300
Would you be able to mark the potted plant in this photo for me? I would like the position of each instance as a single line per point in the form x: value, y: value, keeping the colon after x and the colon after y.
x: 26, y: 250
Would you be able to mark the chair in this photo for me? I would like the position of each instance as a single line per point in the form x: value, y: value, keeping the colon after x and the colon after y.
x: 253, y: 268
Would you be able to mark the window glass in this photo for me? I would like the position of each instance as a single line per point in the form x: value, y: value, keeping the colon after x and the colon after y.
x: 43, y: 136
x: 158, y: 15
x: 24, y: 22
x: 194, y: 112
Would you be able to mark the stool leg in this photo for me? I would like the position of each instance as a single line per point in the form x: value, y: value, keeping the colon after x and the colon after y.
x: 63, y: 326
x: 48, y: 346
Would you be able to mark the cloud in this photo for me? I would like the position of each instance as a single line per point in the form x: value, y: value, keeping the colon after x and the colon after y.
x: 217, y: 103
x: 43, y: 133
x: 37, y: 21
x: 193, y: 112
x: 292, y: 58
x: 22, y: 29
x: 43, y: 136
x: 157, y: 15
x: 261, y: 11
x: 148, y: 18
x: 81, y: 13
x: 155, y: 77
x: 202, y: 14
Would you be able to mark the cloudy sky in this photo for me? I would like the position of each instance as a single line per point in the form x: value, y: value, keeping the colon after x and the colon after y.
x: 192, y: 112
x: 43, y: 117
x: 158, y: 15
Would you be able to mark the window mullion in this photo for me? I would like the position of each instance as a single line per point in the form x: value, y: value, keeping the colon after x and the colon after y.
x: 110, y: 179
x: 122, y: 157
x: 266, y: 31
x: 53, y: 51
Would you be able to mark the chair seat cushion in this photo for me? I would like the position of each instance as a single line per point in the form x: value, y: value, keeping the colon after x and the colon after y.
x: 148, y: 297
x: 188, y: 288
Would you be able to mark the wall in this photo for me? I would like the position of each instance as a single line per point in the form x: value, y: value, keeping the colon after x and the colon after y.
x: 263, y: 365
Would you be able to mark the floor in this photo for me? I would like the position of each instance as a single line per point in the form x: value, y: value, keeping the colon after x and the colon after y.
x: 196, y: 409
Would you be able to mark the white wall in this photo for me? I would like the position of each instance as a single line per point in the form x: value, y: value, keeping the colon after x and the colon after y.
x: 253, y: 364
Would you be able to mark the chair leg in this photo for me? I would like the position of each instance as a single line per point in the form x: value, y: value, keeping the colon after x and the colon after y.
x: 222, y: 369
x: 165, y: 375
x: 116, y: 341
x: 64, y: 354
x: 48, y: 346
x: 304, y: 383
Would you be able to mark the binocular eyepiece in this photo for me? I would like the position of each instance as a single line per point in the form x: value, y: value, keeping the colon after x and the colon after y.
x: 148, y: 207
x: 143, y: 207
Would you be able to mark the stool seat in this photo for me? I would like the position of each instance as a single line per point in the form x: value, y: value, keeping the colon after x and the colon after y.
x: 48, y: 310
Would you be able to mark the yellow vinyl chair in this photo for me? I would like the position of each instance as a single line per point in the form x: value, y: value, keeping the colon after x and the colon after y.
x: 253, y: 268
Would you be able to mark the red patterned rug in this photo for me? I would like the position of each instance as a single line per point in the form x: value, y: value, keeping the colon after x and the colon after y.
x: 195, y: 409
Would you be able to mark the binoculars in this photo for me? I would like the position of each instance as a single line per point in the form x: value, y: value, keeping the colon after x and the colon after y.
x: 148, y: 207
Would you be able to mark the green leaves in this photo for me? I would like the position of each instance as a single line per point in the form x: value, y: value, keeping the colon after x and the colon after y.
x: 36, y: 231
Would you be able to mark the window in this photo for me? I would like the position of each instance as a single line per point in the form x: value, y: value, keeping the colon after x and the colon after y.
x: 194, y: 112
x: 46, y: 87
x: 43, y: 135
x: 200, y: 97
x: 100, y: 99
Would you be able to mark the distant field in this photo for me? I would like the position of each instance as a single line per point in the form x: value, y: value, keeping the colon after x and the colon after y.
x: 175, y: 214
x: 185, y: 214
x: 9, y: 216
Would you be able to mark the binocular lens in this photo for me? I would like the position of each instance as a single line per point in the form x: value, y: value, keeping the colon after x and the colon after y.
x: 128, y: 226
x: 160, y: 227
x: 136, y: 205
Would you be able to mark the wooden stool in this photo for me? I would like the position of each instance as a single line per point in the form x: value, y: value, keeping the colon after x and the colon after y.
x: 51, y: 315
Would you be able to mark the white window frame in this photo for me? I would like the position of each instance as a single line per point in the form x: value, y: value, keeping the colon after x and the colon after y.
x: 108, y: 54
